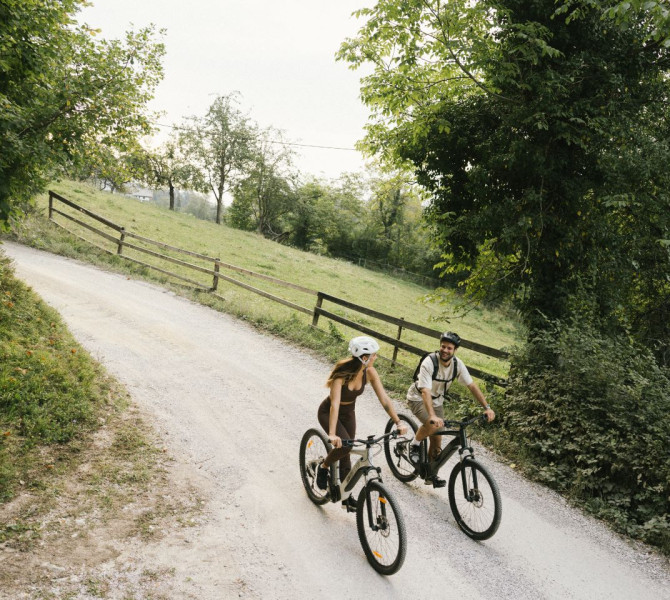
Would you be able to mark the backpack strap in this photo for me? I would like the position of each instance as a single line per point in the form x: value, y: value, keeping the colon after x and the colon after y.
x: 436, y: 366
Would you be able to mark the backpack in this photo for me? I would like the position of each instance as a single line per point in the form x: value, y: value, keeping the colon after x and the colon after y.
x: 436, y: 366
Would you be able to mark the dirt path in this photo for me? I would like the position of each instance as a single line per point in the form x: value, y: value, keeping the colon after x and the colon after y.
x: 233, y: 404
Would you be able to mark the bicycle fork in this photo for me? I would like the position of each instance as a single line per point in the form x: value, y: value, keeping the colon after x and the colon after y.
x: 378, y: 521
x: 470, y: 493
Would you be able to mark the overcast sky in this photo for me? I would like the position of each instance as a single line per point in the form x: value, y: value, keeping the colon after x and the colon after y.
x: 279, y: 54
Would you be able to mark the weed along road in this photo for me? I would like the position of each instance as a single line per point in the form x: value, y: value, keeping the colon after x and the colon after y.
x: 233, y: 403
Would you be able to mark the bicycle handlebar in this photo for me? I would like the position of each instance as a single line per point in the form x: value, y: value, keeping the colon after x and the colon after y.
x: 369, y: 441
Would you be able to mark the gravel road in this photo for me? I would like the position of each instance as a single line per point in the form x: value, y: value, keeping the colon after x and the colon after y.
x: 233, y: 404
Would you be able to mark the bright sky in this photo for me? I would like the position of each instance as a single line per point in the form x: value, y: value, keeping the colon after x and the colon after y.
x: 279, y: 54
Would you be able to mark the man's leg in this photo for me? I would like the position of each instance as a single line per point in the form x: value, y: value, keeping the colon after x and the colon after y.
x: 436, y: 440
x: 435, y: 446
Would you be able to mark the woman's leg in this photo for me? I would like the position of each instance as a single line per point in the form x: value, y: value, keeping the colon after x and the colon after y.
x: 345, y: 429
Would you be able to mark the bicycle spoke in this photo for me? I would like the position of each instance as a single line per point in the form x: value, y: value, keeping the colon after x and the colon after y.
x: 382, y: 536
x: 477, y: 509
x: 312, y: 452
x: 397, y: 451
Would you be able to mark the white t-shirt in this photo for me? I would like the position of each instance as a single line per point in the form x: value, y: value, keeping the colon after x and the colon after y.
x: 438, y: 388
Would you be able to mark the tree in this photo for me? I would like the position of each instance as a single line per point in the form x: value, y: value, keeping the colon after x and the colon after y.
x: 219, y: 143
x: 61, y: 92
x: 168, y: 167
x: 517, y: 117
x: 265, y: 195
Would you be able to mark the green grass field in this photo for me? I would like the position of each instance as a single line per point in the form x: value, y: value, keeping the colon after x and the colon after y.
x: 371, y: 289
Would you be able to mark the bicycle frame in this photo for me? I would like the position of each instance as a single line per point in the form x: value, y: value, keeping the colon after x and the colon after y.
x: 363, y: 467
x: 341, y: 490
x: 460, y: 443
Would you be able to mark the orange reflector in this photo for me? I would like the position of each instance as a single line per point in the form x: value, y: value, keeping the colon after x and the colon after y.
x: 310, y: 444
x: 377, y: 554
x: 382, y: 500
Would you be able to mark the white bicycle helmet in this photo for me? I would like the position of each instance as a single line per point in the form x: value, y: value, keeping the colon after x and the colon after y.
x: 363, y: 345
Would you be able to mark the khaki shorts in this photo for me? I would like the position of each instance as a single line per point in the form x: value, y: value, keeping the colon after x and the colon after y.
x: 420, y: 412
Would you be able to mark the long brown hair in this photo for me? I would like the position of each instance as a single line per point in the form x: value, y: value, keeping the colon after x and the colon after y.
x: 345, y: 369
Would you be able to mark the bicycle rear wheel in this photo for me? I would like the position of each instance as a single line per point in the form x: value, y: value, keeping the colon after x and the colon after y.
x: 314, y: 447
x: 477, y: 507
x: 381, y: 529
x: 397, y: 450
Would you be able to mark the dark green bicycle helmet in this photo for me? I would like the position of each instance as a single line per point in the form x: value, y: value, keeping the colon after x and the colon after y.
x: 450, y: 336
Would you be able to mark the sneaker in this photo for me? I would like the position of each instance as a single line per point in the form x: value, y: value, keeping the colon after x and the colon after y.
x: 414, y: 453
x: 350, y: 504
x: 435, y: 481
x: 322, y: 478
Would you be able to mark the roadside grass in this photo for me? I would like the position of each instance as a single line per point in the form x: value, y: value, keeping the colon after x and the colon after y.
x: 76, y: 457
x: 250, y: 251
x: 51, y: 391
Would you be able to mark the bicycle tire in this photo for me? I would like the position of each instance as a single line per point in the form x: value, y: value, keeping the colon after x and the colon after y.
x: 314, y: 447
x: 397, y: 451
x: 479, y: 515
x: 385, y: 548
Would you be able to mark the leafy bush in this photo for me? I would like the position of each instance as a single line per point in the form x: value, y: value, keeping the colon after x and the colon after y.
x: 590, y: 414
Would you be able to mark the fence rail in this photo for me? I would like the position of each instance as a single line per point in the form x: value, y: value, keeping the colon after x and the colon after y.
x: 215, y: 272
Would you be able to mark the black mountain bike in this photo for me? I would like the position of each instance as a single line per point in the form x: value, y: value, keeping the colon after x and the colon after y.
x: 473, y: 493
x: 380, y: 524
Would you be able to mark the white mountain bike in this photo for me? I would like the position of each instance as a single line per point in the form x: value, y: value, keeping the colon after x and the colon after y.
x: 381, y: 528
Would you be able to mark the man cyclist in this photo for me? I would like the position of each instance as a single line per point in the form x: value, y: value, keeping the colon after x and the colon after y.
x: 426, y: 395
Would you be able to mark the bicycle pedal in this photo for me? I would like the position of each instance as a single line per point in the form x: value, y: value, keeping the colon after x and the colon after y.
x: 349, y: 505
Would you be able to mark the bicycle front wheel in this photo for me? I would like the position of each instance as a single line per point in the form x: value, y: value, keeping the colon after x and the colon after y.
x: 397, y: 450
x: 314, y: 447
x: 381, y: 529
x: 475, y: 500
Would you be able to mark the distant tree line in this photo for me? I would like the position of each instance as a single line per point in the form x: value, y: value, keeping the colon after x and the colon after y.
x: 375, y: 216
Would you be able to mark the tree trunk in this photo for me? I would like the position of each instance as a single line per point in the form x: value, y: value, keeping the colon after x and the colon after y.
x: 219, y: 205
x: 171, y: 196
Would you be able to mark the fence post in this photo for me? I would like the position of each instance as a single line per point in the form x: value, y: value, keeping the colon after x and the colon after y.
x: 51, y: 206
x: 119, y: 250
x: 395, y: 348
x: 215, y: 284
x: 319, y: 302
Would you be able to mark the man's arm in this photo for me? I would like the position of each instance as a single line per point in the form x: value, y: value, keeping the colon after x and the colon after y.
x: 477, y: 393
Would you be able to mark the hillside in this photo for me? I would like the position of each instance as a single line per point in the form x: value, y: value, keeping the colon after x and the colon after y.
x: 374, y: 290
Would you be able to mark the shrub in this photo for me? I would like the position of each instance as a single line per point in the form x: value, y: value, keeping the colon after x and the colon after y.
x: 590, y: 414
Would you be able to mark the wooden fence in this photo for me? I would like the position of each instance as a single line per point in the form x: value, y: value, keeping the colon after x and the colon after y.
x: 120, y: 241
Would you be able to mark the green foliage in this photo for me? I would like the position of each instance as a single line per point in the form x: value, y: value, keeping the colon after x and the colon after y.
x: 49, y: 387
x: 264, y: 195
x: 372, y: 219
x: 63, y: 93
x: 590, y: 414
x: 541, y: 136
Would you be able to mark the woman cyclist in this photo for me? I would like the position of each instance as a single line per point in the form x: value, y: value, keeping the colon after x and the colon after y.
x: 337, y: 413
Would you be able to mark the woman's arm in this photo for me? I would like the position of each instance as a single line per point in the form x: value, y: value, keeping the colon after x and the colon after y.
x: 335, y: 397
x: 385, y: 401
